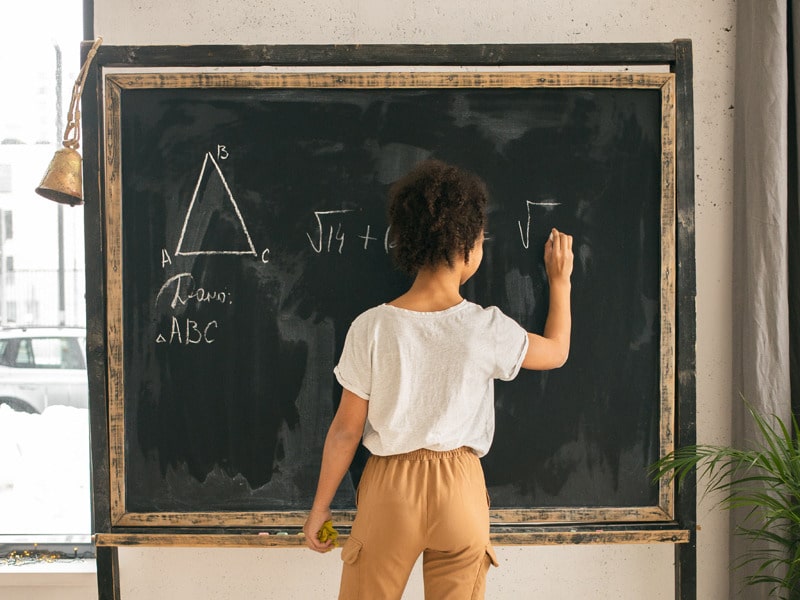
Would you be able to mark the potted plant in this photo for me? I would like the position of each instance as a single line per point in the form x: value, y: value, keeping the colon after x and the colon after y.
x: 765, y: 481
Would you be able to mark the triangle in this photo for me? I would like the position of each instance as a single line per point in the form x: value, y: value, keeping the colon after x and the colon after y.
x: 213, y: 223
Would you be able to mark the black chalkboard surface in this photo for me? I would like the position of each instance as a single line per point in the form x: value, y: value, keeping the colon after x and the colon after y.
x: 246, y: 229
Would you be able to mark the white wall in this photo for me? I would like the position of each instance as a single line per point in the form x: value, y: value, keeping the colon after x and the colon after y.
x: 65, y: 580
x: 614, y: 572
x: 559, y: 573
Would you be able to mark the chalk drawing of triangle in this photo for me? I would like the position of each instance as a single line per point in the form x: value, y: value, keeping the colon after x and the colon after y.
x: 213, y: 223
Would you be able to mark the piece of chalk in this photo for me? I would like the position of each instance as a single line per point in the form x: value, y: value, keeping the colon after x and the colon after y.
x: 551, y: 237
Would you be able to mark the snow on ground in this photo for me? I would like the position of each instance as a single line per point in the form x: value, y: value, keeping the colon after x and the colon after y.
x: 45, y: 471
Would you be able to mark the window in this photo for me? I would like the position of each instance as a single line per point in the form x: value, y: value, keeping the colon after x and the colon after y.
x: 24, y: 357
x: 44, y: 418
x: 50, y: 353
x: 8, y: 224
x: 46, y: 353
x: 5, y: 179
x: 11, y: 311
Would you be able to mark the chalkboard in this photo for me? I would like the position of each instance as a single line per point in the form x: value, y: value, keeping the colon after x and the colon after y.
x: 245, y: 230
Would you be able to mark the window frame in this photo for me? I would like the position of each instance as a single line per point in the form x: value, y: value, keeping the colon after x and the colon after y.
x: 65, y: 546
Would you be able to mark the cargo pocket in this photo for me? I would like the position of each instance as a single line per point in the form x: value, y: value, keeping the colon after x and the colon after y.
x: 489, y: 559
x: 351, y: 550
x: 491, y: 556
x: 351, y: 570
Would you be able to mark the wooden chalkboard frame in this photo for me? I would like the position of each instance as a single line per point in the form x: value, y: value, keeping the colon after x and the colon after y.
x: 678, y: 522
x: 116, y: 83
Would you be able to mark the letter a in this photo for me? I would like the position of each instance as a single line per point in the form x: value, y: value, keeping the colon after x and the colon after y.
x: 176, y: 330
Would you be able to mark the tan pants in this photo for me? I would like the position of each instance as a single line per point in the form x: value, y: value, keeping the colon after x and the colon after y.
x: 434, y: 503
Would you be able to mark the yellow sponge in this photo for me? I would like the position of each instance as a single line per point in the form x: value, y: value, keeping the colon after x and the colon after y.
x: 328, y: 533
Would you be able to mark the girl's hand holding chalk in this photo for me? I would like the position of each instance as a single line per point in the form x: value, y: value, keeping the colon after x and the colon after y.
x: 558, y: 256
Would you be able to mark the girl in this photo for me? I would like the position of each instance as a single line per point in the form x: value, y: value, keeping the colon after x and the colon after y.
x: 417, y: 376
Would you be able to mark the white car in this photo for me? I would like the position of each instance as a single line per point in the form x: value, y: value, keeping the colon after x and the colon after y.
x: 43, y: 366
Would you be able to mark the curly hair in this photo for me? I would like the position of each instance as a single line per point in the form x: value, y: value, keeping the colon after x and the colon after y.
x: 436, y: 213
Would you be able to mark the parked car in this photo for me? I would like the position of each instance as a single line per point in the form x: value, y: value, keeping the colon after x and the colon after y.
x: 43, y: 366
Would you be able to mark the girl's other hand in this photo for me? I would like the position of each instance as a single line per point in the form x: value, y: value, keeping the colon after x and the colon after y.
x: 558, y: 256
x: 316, y: 519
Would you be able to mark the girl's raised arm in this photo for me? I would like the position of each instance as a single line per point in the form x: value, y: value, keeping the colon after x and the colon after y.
x: 550, y: 350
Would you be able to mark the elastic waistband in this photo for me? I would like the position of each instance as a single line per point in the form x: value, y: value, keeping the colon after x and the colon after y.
x: 425, y: 454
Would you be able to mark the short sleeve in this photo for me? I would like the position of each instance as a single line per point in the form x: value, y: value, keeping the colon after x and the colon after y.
x: 354, y: 371
x: 510, y: 344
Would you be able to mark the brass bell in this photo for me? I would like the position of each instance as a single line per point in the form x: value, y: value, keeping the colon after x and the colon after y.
x: 63, y: 181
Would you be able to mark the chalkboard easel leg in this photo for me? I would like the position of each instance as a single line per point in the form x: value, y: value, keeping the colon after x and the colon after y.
x: 107, y: 573
x: 686, y: 569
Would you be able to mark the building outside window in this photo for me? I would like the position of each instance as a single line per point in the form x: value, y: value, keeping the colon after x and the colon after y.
x: 5, y: 179
x: 44, y: 423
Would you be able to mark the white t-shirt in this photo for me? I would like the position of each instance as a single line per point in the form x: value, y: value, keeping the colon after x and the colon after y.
x: 429, y: 376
